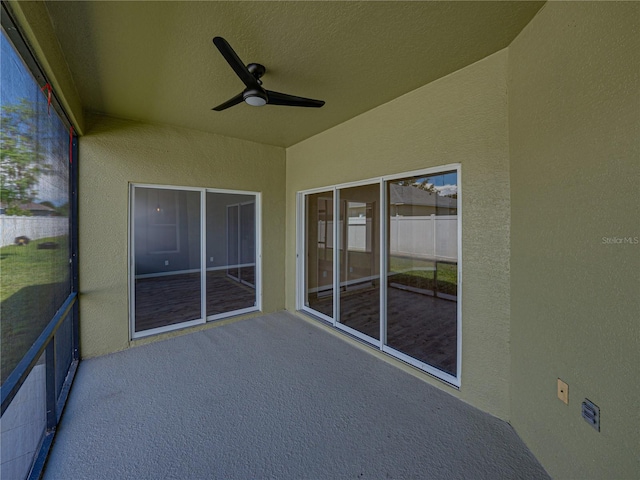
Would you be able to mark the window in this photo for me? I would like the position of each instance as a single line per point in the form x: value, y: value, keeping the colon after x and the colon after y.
x: 406, y: 226
x: 194, y: 254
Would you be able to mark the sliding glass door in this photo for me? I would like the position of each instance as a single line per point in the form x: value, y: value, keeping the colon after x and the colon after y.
x: 231, y: 253
x: 167, y: 266
x: 422, y: 269
x: 318, y: 287
x: 360, y: 259
x: 193, y: 256
x: 406, y: 226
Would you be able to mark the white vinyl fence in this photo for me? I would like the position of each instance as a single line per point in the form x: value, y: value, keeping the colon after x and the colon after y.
x: 12, y: 226
x: 434, y: 236
x: 429, y: 237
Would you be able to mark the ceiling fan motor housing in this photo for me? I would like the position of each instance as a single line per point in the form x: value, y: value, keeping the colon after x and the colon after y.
x: 257, y: 70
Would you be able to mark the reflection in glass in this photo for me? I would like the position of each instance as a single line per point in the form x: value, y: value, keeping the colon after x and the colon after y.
x: 319, y: 249
x: 231, y: 252
x: 247, y: 247
x: 167, y: 257
x: 360, y: 259
x: 34, y: 210
x: 422, y: 268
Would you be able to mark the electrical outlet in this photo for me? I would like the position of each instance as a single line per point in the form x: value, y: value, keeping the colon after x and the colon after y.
x: 563, y: 391
x: 166, y: 262
x: 211, y: 259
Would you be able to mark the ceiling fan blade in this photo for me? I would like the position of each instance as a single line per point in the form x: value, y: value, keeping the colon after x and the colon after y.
x: 276, y: 98
x: 234, y: 61
x: 229, y: 103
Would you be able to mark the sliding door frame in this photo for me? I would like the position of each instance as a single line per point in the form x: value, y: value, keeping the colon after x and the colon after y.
x: 301, y: 273
x: 133, y: 335
x: 337, y: 266
x: 450, y: 379
x: 301, y: 253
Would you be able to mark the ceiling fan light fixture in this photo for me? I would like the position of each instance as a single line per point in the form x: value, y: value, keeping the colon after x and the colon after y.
x: 255, y: 101
x: 255, y: 98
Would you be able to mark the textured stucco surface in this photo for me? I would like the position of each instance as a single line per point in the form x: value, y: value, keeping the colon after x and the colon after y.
x: 461, y: 118
x: 272, y: 397
x: 115, y: 153
x: 574, y: 111
x: 131, y: 60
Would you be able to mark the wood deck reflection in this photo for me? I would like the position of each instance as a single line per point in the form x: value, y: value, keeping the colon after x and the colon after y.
x: 421, y: 326
x: 169, y: 300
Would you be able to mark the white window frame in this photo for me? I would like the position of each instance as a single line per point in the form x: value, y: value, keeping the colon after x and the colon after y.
x: 133, y: 335
x: 301, y: 253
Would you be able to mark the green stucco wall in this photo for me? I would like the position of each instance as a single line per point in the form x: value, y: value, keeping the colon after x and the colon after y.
x: 461, y: 118
x: 574, y: 110
x: 115, y: 153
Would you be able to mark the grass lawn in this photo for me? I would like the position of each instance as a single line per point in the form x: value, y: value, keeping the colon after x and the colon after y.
x: 420, y: 274
x: 413, y: 272
x: 410, y: 271
x: 33, y: 285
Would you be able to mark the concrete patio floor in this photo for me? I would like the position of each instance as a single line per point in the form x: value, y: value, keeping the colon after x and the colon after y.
x: 272, y: 397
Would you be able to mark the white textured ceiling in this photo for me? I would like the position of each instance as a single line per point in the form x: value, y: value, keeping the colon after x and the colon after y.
x: 155, y: 61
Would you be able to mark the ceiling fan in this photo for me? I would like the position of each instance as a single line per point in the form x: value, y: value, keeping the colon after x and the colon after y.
x: 255, y: 95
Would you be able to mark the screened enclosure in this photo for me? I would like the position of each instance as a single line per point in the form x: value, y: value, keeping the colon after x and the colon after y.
x: 38, y: 269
